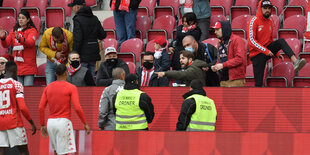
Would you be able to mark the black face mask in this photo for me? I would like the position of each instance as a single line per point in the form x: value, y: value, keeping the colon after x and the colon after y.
x: 112, y: 62
x: 75, y: 64
x: 147, y: 65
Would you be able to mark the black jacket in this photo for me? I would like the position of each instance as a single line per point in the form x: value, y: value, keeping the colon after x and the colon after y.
x: 104, y: 74
x: 188, y: 108
x: 86, y: 32
x: 145, y: 103
x: 134, y: 4
x: 163, y: 63
x: 154, y: 80
x: 178, y: 46
x: 212, y: 79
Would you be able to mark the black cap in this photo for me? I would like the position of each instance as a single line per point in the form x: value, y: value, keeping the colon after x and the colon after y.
x: 266, y: 3
x: 131, y: 79
x: 76, y: 2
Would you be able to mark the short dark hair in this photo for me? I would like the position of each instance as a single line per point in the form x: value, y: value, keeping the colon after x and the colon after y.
x: 196, y: 84
x: 72, y: 52
x: 57, y: 32
x: 148, y: 53
x: 131, y: 79
x: 11, y: 67
x: 190, y: 17
x: 187, y: 54
x: 60, y: 69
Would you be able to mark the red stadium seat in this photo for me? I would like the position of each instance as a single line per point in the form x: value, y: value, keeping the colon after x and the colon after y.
x: 10, y: 6
x: 276, y: 24
x: 303, y: 78
x: 243, y: 7
x: 226, y: 4
x: 55, y: 16
x: 3, y: 51
x: 37, y: 22
x: 91, y: 3
x: 212, y: 41
x: 217, y: 10
x: 175, y: 4
x: 216, y: 18
x: 146, y: 7
x: 162, y: 26
x: 110, y: 42
x: 127, y: 56
x: 306, y: 45
x: 305, y: 55
x: 249, y: 75
x: 291, y: 29
x: 143, y: 23
x: 134, y: 46
x: 41, y: 70
x: 35, y: 7
x: 109, y: 27
x: 281, y: 76
x: 163, y: 11
x: 278, y: 4
x: 295, y: 45
x: 240, y: 24
x: 295, y: 7
x: 7, y: 23
x: 150, y: 46
x: 62, y: 4
x: 39, y: 78
x: 132, y: 67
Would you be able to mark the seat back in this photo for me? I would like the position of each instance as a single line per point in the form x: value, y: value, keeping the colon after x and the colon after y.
x: 7, y: 23
x: 175, y: 4
x: 250, y: 3
x: 16, y: 4
x: 41, y: 5
x: 3, y: 51
x: 241, y: 22
x: 212, y: 41
x: 283, y: 70
x: 110, y: 42
x: 216, y: 18
x: 91, y: 3
x: 166, y: 23
x: 276, y: 24
x: 133, y: 45
x: 149, y: 4
x: 143, y: 23
x: 132, y: 67
x: 290, y: 23
x: 37, y: 22
x: 62, y: 4
x: 41, y: 70
x: 305, y: 71
x: 109, y: 23
x: 54, y: 17
x: 294, y: 44
x: 224, y: 3
x: 279, y: 4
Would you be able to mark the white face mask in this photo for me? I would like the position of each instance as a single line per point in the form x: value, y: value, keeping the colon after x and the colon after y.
x: 190, y: 49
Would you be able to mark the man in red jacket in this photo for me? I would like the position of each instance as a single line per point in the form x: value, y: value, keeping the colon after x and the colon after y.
x: 262, y: 46
x: 231, y: 55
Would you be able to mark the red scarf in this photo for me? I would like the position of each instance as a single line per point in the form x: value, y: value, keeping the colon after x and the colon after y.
x: 188, y: 6
x: 185, y: 29
x: 18, y: 48
x: 72, y: 70
x: 64, y: 47
x: 123, y: 6
x: 146, y: 76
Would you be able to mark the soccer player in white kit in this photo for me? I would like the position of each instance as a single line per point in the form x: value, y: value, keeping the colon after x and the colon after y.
x: 59, y: 95
x: 12, y: 131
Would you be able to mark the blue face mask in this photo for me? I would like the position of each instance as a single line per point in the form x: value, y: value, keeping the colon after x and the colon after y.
x: 190, y: 48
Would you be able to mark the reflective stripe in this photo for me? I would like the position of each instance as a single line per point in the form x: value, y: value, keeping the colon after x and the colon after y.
x: 191, y: 129
x: 133, y: 122
x: 251, y: 36
x: 202, y: 123
x: 126, y: 116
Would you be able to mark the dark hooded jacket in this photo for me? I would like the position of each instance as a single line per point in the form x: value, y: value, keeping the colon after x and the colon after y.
x: 86, y: 32
x: 232, y: 54
x: 188, y: 109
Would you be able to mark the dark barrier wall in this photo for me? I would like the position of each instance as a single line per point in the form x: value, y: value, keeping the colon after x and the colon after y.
x: 239, y: 109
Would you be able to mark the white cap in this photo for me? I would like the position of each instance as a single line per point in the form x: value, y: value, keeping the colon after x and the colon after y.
x: 110, y: 50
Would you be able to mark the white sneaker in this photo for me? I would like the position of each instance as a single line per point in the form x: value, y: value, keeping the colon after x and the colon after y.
x: 299, y: 64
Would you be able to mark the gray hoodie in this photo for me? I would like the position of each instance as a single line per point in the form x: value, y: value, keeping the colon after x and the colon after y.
x: 106, y: 118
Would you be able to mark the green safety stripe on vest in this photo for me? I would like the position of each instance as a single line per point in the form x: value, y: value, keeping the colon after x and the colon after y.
x: 202, y: 123
x: 191, y: 129
x: 126, y: 116
x: 131, y: 122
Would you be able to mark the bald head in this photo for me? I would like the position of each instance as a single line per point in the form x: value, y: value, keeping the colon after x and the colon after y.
x: 118, y: 73
x: 189, y: 41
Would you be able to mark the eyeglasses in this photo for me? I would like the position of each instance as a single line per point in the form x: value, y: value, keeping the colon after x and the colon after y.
x: 2, y: 63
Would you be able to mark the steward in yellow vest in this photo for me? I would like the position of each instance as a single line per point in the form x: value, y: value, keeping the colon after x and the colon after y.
x: 198, y: 112
x: 133, y: 108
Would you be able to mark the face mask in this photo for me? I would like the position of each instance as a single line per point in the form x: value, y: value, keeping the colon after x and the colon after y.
x: 75, y: 64
x: 190, y: 48
x: 112, y: 62
x: 147, y: 65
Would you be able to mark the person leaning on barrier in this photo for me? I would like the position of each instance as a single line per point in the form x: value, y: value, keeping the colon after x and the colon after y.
x: 133, y: 108
x: 198, y: 112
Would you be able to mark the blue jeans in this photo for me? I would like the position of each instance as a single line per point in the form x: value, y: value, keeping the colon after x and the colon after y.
x: 90, y: 66
x: 26, y: 80
x: 125, y: 24
x: 50, y: 72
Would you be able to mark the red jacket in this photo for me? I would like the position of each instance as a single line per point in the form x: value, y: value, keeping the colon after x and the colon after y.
x: 259, y: 33
x: 28, y: 39
x: 236, y: 62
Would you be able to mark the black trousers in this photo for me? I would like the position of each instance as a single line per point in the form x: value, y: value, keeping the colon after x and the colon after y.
x: 259, y: 61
